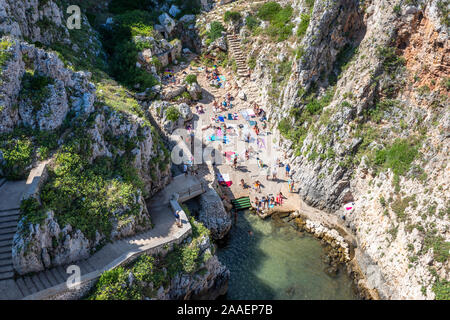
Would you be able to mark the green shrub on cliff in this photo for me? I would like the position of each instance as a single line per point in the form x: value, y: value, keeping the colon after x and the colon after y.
x: 5, y: 53
x: 190, y: 79
x: 397, y: 156
x: 269, y: 10
x: 113, y: 285
x: 441, y: 289
x: 172, y: 113
x: 215, y: 32
x: 158, y: 270
x: 303, y: 26
x: 35, y: 89
x: 17, y: 155
x: 231, y: 16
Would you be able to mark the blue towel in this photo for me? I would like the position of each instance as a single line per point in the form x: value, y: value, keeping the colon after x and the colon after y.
x: 221, y: 119
x: 230, y: 116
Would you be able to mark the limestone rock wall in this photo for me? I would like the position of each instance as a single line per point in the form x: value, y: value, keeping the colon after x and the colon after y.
x: 68, y: 91
x: 392, y: 249
x: 41, y: 21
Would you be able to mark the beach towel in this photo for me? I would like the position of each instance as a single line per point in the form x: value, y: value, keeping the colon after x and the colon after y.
x: 230, y: 116
x: 229, y: 155
x: 349, y: 206
x: 212, y: 138
x: 224, y: 179
x: 251, y: 113
x: 222, y: 78
x: 261, y: 143
x: 245, y: 115
x: 221, y: 119
x: 252, y: 123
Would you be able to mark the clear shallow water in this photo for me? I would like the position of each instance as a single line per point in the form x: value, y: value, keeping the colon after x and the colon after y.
x: 276, y: 263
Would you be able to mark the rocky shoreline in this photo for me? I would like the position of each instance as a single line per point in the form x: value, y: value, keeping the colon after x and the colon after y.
x: 339, y: 252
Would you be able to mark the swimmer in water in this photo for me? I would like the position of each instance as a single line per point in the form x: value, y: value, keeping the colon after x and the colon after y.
x: 250, y: 232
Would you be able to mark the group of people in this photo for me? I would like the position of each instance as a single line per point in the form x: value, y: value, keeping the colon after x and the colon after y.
x: 169, y: 77
x: 259, y: 112
x: 269, y: 201
x: 199, y: 109
x: 212, y: 75
x: 190, y: 168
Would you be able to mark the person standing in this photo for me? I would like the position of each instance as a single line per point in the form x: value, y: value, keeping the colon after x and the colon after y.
x: 274, y: 172
x: 257, y: 204
x: 263, y: 200
x: 288, y: 169
x: 178, y: 218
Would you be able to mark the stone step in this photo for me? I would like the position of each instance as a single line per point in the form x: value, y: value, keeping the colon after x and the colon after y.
x: 8, y: 224
x: 9, y: 218
x: 7, y: 268
x: 44, y: 280
x: 37, y: 282
x: 6, y: 261
x: 7, y: 236
x: 6, y: 275
x: 23, y: 287
x: 6, y: 255
x: 51, y: 278
x: 6, y: 243
x: 62, y: 273
x: 8, y: 230
x: 85, y: 267
x: 30, y: 285
x: 9, y: 212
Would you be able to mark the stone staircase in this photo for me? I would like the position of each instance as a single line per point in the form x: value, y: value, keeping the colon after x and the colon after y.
x: 235, y: 45
x: 10, y: 195
x: 42, y: 285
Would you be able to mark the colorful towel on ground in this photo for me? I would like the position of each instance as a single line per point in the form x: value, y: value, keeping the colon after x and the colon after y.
x: 229, y: 155
x: 252, y: 123
x: 245, y: 115
x: 224, y: 179
x: 212, y: 138
x: 251, y: 113
x: 221, y: 119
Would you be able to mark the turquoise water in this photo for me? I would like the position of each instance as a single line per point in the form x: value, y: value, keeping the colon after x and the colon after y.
x: 276, y: 262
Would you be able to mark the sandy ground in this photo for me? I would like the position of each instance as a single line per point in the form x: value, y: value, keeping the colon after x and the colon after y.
x: 248, y: 169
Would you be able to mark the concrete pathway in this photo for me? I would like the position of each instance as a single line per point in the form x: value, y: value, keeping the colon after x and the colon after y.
x: 42, y: 284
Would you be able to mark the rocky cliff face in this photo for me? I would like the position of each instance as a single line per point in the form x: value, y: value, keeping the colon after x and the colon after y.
x: 37, y: 21
x: 208, y: 284
x: 360, y: 100
x: 42, y: 94
x: 44, y: 107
